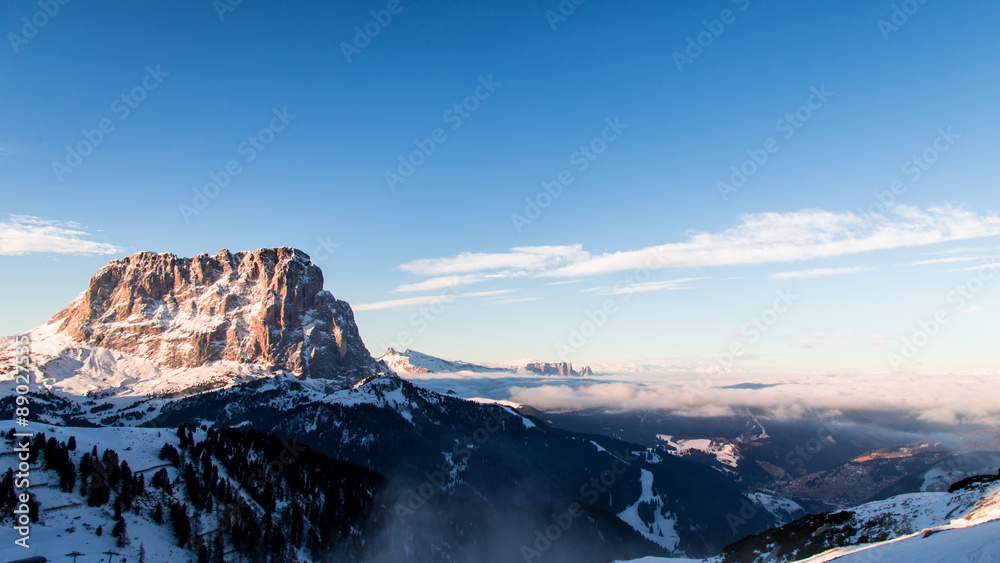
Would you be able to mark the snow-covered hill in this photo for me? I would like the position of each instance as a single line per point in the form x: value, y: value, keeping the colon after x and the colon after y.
x: 939, y: 528
x: 971, y: 543
x: 413, y: 362
x: 879, y: 524
x: 724, y: 452
x: 69, y: 523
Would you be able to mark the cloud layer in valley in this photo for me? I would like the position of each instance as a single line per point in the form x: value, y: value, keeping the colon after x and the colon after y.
x: 971, y: 398
x: 949, y: 399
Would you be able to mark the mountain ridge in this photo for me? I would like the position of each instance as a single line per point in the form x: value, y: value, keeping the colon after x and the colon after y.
x: 413, y: 362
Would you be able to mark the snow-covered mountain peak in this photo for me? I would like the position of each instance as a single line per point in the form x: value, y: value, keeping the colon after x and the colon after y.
x: 149, y: 314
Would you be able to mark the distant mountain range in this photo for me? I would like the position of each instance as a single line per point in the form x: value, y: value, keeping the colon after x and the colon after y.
x: 412, y: 362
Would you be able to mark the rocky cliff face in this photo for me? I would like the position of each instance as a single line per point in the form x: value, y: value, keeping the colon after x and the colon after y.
x: 264, y: 307
x: 564, y: 369
x: 547, y: 368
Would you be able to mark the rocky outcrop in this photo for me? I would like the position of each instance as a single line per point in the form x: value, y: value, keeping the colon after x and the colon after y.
x: 265, y: 307
x: 564, y: 369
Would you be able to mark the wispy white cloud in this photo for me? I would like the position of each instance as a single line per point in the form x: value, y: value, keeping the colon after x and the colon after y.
x: 24, y: 234
x: 988, y: 262
x: 818, y: 273
x: 643, y: 287
x: 947, y: 260
x: 529, y: 258
x: 401, y: 303
x: 759, y: 238
x: 973, y: 309
x: 425, y: 300
x: 512, y: 300
x: 959, y: 250
x: 488, y: 293
x: 801, y: 235
x: 442, y: 282
x: 564, y: 282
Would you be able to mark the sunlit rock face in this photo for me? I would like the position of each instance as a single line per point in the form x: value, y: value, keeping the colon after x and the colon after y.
x: 264, y: 307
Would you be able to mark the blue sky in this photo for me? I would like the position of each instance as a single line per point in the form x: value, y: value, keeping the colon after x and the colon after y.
x: 273, y: 82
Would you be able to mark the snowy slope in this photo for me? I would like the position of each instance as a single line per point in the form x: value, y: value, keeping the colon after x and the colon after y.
x: 972, y: 538
x: 98, y: 381
x: 891, y: 526
x: 724, y: 453
x: 785, y: 510
x: 74, y: 527
x: 662, y: 529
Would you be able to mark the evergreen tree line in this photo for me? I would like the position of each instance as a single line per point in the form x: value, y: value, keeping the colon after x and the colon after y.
x: 243, y: 491
x: 265, y: 497
x: 275, y: 496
